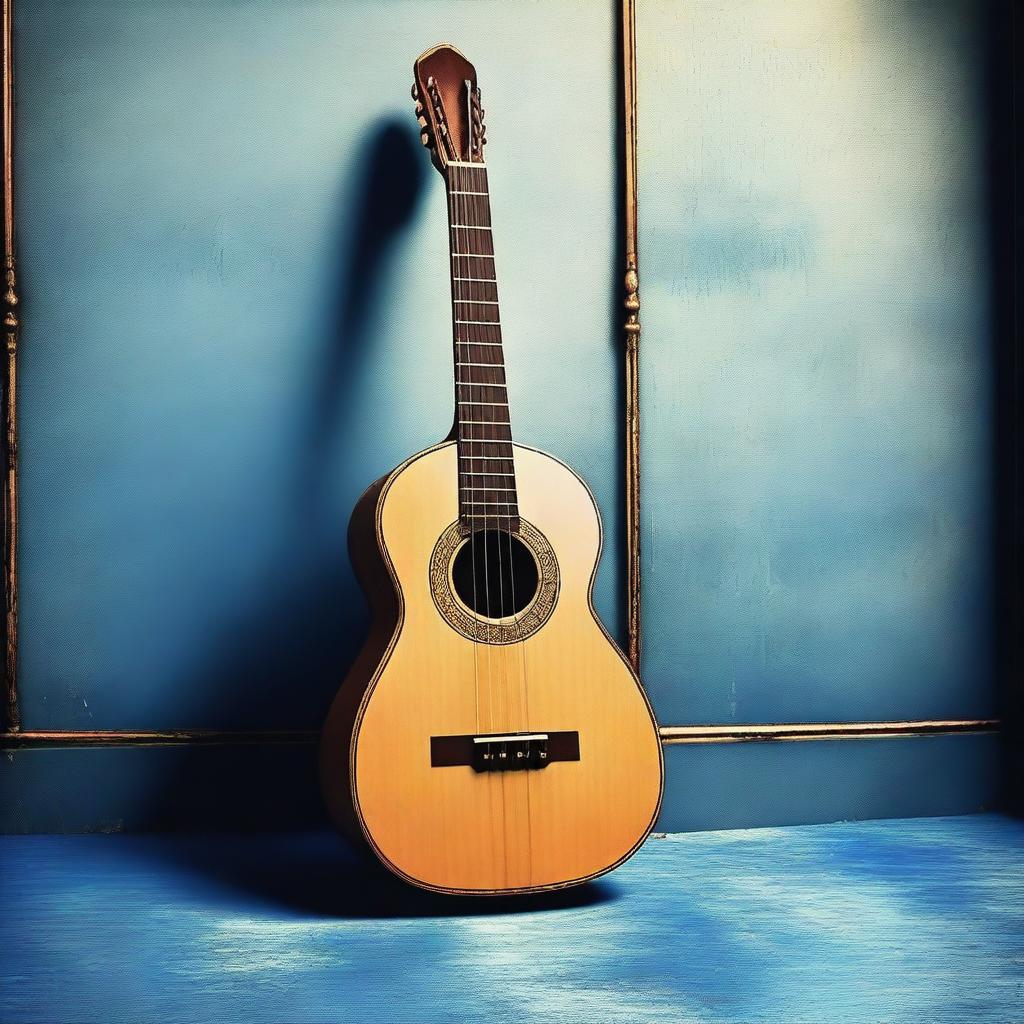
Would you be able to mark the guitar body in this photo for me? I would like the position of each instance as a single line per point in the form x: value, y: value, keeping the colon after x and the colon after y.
x: 430, y: 672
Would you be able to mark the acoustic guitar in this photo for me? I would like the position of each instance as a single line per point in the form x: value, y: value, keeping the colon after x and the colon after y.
x: 490, y: 738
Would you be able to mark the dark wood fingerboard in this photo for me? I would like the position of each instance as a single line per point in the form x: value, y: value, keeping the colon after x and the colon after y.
x: 487, y: 481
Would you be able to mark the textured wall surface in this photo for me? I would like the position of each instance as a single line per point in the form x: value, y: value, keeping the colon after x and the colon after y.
x: 817, y: 364
x: 234, y: 256
x: 235, y: 317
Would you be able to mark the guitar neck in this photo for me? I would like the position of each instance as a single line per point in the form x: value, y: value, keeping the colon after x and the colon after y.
x: 487, y: 488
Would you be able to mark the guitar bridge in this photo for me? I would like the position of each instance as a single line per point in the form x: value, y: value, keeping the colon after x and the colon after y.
x: 504, y: 752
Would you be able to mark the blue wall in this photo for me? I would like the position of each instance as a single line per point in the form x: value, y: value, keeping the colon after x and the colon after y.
x: 235, y: 308
x: 234, y: 256
x: 817, y: 379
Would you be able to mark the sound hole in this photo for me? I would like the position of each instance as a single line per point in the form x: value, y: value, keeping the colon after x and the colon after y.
x: 495, y: 574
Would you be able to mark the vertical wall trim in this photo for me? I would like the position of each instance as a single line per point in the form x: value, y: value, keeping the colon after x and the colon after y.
x: 631, y: 329
x: 10, y: 403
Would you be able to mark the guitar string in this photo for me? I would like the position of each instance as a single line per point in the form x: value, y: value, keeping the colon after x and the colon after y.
x: 500, y: 694
x: 469, y: 213
x: 462, y: 206
x: 454, y: 218
x: 479, y: 205
x: 482, y: 204
x: 460, y: 209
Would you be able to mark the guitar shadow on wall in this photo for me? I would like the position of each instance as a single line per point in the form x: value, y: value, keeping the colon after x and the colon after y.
x: 279, y: 661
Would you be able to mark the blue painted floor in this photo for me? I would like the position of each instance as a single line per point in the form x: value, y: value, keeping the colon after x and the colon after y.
x: 899, y: 921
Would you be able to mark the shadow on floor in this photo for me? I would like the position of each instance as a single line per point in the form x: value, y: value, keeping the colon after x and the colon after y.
x: 319, y: 875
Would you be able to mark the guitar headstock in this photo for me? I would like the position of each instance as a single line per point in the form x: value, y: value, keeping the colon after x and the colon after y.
x: 448, y: 107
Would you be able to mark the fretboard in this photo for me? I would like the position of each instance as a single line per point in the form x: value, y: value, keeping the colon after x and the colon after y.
x: 487, y: 483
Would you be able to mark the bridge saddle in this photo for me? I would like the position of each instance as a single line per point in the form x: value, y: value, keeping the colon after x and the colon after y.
x: 515, y: 752
x: 504, y: 752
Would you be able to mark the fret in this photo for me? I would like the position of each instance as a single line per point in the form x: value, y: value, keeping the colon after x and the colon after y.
x: 487, y: 482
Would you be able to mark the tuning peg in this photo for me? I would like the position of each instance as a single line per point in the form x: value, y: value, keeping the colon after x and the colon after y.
x: 419, y: 109
x: 425, y: 136
x: 415, y: 91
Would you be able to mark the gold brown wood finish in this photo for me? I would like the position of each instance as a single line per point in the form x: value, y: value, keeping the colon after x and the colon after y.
x: 631, y: 330
x: 491, y: 738
x: 12, y: 715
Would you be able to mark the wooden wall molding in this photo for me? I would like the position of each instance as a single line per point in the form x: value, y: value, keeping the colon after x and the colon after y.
x: 671, y: 735
x: 631, y: 330
x: 12, y: 715
x: 790, y: 731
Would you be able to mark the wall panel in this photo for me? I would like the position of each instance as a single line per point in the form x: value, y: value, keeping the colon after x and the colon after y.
x: 235, y: 306
x: 816, y: 360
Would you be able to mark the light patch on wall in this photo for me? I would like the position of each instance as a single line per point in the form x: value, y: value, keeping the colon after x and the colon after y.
x: 816, y: 343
